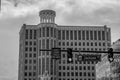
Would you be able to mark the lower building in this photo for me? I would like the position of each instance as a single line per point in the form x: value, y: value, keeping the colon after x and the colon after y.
x: 103, y: 69
x: 115, y: 65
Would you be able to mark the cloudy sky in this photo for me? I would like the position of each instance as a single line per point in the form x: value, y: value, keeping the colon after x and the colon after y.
x: 69, y: 12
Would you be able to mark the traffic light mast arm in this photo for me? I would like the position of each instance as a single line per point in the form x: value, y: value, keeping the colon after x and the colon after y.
x: 81, y: 51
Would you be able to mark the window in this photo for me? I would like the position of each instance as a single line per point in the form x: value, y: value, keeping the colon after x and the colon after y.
x: 91, y: 35
x: 34, y: 74
x: 87, y: 43
x: 25, y: 67
x: 84, y: 68
x: 75, y: 43
x: 63, y: 34
x: 26, y: 61
x: 80, y: 67
x: 91, y: 43
x: 76, y: 73
x: 67, y: 67
x: 76, y: 68
x: 40, y: 32
x: 95, y: 43
x: 103, y: 35
x: 47, y: 32
x: 83, y: 35
x: 71, y: 43
x: 30, y: 54
x: 72, y: 68
x: 71, y: 35
x: 34, y: 55
x: 63, y: 67
x: 80, y: 74
x: 43, y: 31
x: 99, y: 35
x: 75, y: 35
x: 34, y: 61
x: 59, y: 67
x: 30, y: 61
x: 88, y: 67
x: 95, y: 35
x: 92, y: 62
x: 25, y: 74
x: 72, y: 73
x: 59, y: 73
x: 34, y: 43
x: 59, y: 34
x: 87, y: 35
x: 93, y: 68
x: 59, y: 43
x: 84, y: 73
x: 89, y: 74
x: 26, y: 42
x: 104, y: 44
x: 67, y: 43
x: 63, y: 73
x: 35, y: 34
x: 30, y: 34
x: 30, y: 49
x: 34, y: 67
x: 68, y: 74
x: 79, y: 43
x: 99, y: 44
x: 30, y: 74
x: 34, y: 49
x: 67, y: 35
x: 63, y: 55
x: 83, y: 43
x: 63, y: 43
x: 26, y: 49
x: 93, y: 74
x: 79, y: 35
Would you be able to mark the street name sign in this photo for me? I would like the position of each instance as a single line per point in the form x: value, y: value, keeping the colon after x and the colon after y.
x: 88, y: 57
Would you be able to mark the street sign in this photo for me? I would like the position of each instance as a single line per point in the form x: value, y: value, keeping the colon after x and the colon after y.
x: 56, y: 53
x: 88, y: 57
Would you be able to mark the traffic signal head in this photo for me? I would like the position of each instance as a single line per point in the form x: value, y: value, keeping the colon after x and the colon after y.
x: 69, y: 55
x: 110, y: 55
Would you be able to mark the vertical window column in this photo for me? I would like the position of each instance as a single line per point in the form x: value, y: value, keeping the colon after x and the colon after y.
x: 79, y: 35
x: 99, y: 35
x: 75, y: 34
x: 83, y: 35
x: 91, y: 35
x: 59, y: 34
x: 71, y: 35
x: 95, y: 35
x: 63, y: 34
x: 67, y: 34
x: 87, y: 35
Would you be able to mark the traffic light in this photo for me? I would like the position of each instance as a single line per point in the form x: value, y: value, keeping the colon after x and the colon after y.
x: 69, y: 55
x: 110, y: 55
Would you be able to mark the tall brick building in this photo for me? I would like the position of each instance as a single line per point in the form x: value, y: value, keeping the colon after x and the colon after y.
x: 33, y: 63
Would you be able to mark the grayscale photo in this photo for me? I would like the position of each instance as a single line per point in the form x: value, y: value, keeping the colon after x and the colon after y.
x: 59, y: 40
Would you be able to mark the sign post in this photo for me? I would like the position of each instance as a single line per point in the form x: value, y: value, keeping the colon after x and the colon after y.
x: 56, y: 53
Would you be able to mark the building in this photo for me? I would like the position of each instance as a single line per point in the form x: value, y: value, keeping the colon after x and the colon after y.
x: 33, y: 63
x: 115, y: 65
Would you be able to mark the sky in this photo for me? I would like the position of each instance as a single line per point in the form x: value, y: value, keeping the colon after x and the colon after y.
x: 14, y: 13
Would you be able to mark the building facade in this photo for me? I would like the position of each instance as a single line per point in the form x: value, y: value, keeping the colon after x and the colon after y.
x: 33, y: 63
x: 115, y: 65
